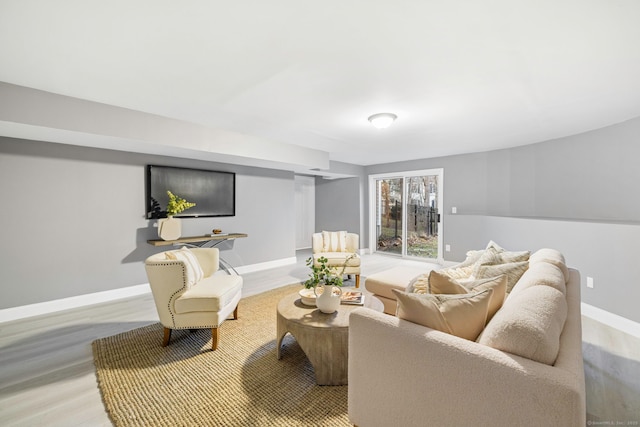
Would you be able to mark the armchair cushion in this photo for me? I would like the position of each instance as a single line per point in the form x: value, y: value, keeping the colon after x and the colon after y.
x: 194, y: 272
x: 338, y: 258
x: 209, y: 294
x: 334, y: 241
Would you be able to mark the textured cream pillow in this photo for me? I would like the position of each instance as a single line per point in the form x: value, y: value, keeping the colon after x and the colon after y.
x: 513, y: 271
x: 529, y: 324
x: 419, y: 285
x: 472, y: 258
x: 460, y: 315
x: 492, y: 256
x: 193, y: 269
x: 458, y: 273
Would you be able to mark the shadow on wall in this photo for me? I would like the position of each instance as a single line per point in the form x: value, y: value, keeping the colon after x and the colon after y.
x: 612, y: 386
x: 143, y: 250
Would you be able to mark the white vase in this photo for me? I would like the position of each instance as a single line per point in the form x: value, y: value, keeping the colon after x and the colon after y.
x: 328, y: 301
x: 169, y: 228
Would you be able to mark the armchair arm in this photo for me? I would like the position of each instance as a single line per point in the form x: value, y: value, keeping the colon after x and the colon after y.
x: 316, y: 242
x: 167, y: 279
x: 425, y: 377
x: 353, y: 243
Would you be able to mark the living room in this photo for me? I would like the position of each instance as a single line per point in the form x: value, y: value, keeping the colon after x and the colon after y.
x: 74, y: 183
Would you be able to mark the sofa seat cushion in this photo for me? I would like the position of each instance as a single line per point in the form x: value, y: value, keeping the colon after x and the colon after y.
x: 462, y: 315
x: 399, y: 277
x: 209, y: 294
x: 338, y: 258
x: 529, y: 324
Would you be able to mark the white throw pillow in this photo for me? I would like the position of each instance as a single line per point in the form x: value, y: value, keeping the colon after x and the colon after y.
x: 193, y: 270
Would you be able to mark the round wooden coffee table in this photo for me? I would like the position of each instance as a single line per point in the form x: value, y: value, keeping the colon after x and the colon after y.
x: 324, y: 338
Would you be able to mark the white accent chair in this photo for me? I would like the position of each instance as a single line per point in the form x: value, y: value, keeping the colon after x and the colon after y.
x: 338, y: 247
x: 188, y: 300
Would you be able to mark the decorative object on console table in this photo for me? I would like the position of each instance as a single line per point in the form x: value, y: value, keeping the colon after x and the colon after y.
x: 170, y: 228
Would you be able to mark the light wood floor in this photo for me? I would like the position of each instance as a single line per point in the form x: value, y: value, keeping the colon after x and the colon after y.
x: 47, y: 376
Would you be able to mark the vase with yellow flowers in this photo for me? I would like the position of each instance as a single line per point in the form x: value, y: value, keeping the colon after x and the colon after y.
x: 170, y: 228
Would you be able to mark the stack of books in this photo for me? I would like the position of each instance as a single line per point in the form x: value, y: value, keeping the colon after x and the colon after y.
x: 352, y: 298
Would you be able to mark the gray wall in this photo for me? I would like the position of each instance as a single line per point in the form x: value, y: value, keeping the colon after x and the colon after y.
x: 73, y: 219
x: 340, y: 202
x: 578, y: 194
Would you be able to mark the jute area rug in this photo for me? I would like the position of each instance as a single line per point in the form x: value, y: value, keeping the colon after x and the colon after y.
x: 240, y: 384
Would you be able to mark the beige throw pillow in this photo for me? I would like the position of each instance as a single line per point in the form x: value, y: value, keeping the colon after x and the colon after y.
x: 499, y: 287
x: 193, y: 270
x: 460, y: 315
x: 442, y: 284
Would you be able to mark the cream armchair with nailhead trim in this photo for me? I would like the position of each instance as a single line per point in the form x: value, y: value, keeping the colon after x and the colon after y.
x: 187, y: 292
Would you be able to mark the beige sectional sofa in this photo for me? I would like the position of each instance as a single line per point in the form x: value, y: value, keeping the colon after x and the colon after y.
x: 525, y: 368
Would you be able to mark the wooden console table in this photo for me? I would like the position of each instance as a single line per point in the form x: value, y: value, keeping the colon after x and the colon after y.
x: 208, y: 241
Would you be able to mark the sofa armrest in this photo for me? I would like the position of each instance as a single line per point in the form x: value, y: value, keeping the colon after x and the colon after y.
x: 401, y: 373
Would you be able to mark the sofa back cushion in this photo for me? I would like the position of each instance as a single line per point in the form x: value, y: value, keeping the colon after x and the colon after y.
x: 541, y: 273
x: 529, y: 324
x: 551, y: 256
x: 463, y: 315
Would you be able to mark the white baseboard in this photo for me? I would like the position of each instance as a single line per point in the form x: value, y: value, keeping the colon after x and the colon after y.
x: 613, y: 320
x: 245, y: 269
x: 47, y: 307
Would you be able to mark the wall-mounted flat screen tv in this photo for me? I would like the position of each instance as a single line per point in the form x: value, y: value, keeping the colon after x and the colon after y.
x: 214, y: 193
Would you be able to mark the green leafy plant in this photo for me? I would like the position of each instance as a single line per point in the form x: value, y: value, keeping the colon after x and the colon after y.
x: 177, y: 204
x: 322, y: 273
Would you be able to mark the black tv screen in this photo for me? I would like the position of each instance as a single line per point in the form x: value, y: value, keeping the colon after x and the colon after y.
x: 214, y: 193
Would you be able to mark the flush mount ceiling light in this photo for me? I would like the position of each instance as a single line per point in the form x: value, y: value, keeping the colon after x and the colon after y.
x: 382, y: 120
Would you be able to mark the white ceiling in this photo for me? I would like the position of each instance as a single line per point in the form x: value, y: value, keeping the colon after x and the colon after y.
x: 462, y: 76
